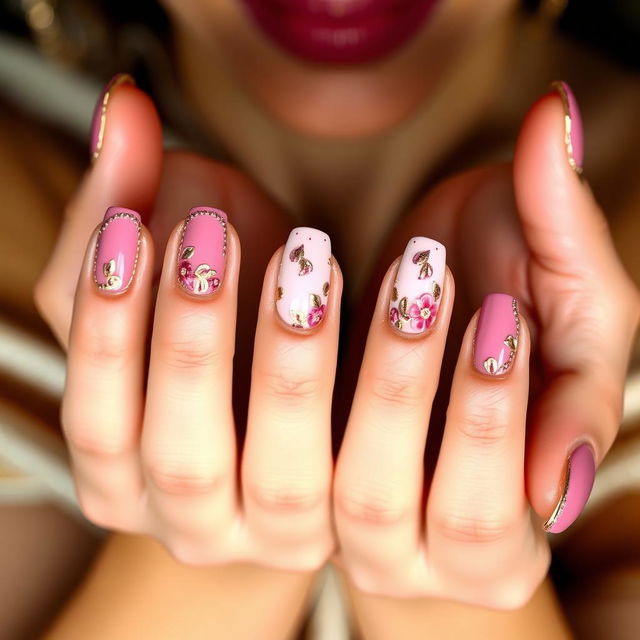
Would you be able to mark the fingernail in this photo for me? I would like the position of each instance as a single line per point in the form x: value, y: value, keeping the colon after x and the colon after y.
x: 117, y: 247
x: 202, y: 252
x: 497, y: 333
x: 415, y: 297
x: 99, y: 122
x: 576, y: 488
x: 303, y: 281
x: 573, y: 131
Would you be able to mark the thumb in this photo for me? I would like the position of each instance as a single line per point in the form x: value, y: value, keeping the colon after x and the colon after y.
x: 126, y: 148
x: 586, y: 305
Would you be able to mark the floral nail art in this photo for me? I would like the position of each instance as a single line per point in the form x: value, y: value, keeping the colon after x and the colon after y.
x: 303, y: 289
x: 116, y: 254
x: 420, y: 276
x: 203, y: 247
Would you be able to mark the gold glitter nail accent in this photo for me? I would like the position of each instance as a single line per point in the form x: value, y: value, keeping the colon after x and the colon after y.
x: 559, y: 508
x: 568, y: 126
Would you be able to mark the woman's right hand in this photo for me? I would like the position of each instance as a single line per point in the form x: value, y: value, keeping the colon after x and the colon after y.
x: 147, y: 409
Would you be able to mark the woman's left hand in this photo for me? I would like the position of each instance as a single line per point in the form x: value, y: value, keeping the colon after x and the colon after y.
x: 534, y: 232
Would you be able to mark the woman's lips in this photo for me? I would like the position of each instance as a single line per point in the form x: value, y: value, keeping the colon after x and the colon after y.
x: 340, y: 31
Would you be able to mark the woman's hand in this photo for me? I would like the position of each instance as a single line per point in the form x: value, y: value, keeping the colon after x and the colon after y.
x: 147, y: 409
x: 535, y: 232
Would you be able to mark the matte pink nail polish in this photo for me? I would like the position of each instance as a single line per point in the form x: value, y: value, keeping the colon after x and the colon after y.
x: 578, y: 482
x: 202, y: 253
x: 99, y: 121
x: 497, y: 333
x: 573, y: 130
x: 417, y: 289
x: 117, y: 248
x: 304, y: 278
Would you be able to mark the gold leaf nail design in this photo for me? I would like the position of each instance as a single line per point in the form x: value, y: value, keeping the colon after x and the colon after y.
x: 491, y: 365
x: 402, y: 308
x: 436, y: 290
x: 325, y: 289
x: 394, y: 294
x: 279, y: 293
x: 422, y: 258
x: 314, y: 299
x: 113, y: 281
x: 511, y: 342
x: 187, y: 252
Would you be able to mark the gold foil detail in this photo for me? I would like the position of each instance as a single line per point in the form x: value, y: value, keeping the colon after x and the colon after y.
x: 402, y: 308
x: 511, y: 342
x: 314, y: 299
x: 422, y: 258
x: 279, y: 293
x: 394, y: 294
x: 568, y: 126
x: 559, y: 508
x: 325, y: 289
x: 436, y: 290
x: 491, y: 365
x: 187, y: 252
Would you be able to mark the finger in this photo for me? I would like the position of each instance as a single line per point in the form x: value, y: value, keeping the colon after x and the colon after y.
x: 287, y: 463
x: 479, y: 540
x: 102, y: 403
x: 126, y: 173
x: 586, y: 336
x: 379, y: 474
x: 188, y: 441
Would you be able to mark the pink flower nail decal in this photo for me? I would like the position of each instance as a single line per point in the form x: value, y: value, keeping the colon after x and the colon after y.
x: 203, y: 249
x: 303, y: 281
x: 497, y: 334
x: 117, y: 247
x: 418, y: 286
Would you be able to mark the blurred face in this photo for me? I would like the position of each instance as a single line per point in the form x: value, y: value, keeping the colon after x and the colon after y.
x: 337, y: 68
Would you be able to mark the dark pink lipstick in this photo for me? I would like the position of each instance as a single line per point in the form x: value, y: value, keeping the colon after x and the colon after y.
x: 340, y: 31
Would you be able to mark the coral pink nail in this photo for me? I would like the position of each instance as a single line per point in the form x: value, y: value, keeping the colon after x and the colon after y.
x: 573, y: 130
x: 418, y: 286
x: 578, y: 482
x: 497, y: 333
x: 202, y: 252
x: 99, y: 121
x: 117, y: 248
x: 304, y: 278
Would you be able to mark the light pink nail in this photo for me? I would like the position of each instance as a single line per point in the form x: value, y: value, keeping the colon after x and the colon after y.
x: 303, y: 281
x: 497, y: 333
x: 578, y: 482
x: 418, y: 286
x: 117, y: 247
x: 99, y: 121
x: 203, y: 250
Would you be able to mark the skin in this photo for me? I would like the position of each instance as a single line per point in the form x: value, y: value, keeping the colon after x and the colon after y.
x: 132, y: 170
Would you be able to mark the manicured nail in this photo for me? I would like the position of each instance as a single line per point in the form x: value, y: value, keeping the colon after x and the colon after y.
x: 117, y: 248
x: 203, y: 250
x: 99, y: 122
x: 576, y: 488
x: 497, y: 333
x: 573, y: 131
x: 303, y: 281
x: 418, y: 286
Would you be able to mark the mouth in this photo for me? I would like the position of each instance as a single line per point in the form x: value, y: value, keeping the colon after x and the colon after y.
x: 340, y: 32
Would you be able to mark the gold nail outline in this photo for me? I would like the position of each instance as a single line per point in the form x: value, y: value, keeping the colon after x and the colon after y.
x: 568, y: 126
x: 112, y: 85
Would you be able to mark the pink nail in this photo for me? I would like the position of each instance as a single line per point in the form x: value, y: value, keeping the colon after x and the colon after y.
x: 117, y: 249
x: 497, y: 333
x: 303, y: 281
x: 578, y: 482
x: 418, y: 286
x: 203, y: 250
x: 573, y: 130
x: 99, y: 121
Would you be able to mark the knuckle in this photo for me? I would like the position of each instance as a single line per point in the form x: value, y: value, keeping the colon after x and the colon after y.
x: 103, y: 347
x: 472, y: 528
x: 369, y: 505
x: 184, y: 478
x: 285, y: 495
x: 290, y: 384
x: 100, y: 442
x: 397, y: 391
x: 484, y: 425
x: 190, y: 355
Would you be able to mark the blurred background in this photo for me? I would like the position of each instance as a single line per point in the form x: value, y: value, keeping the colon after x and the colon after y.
x: 54, y: 58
